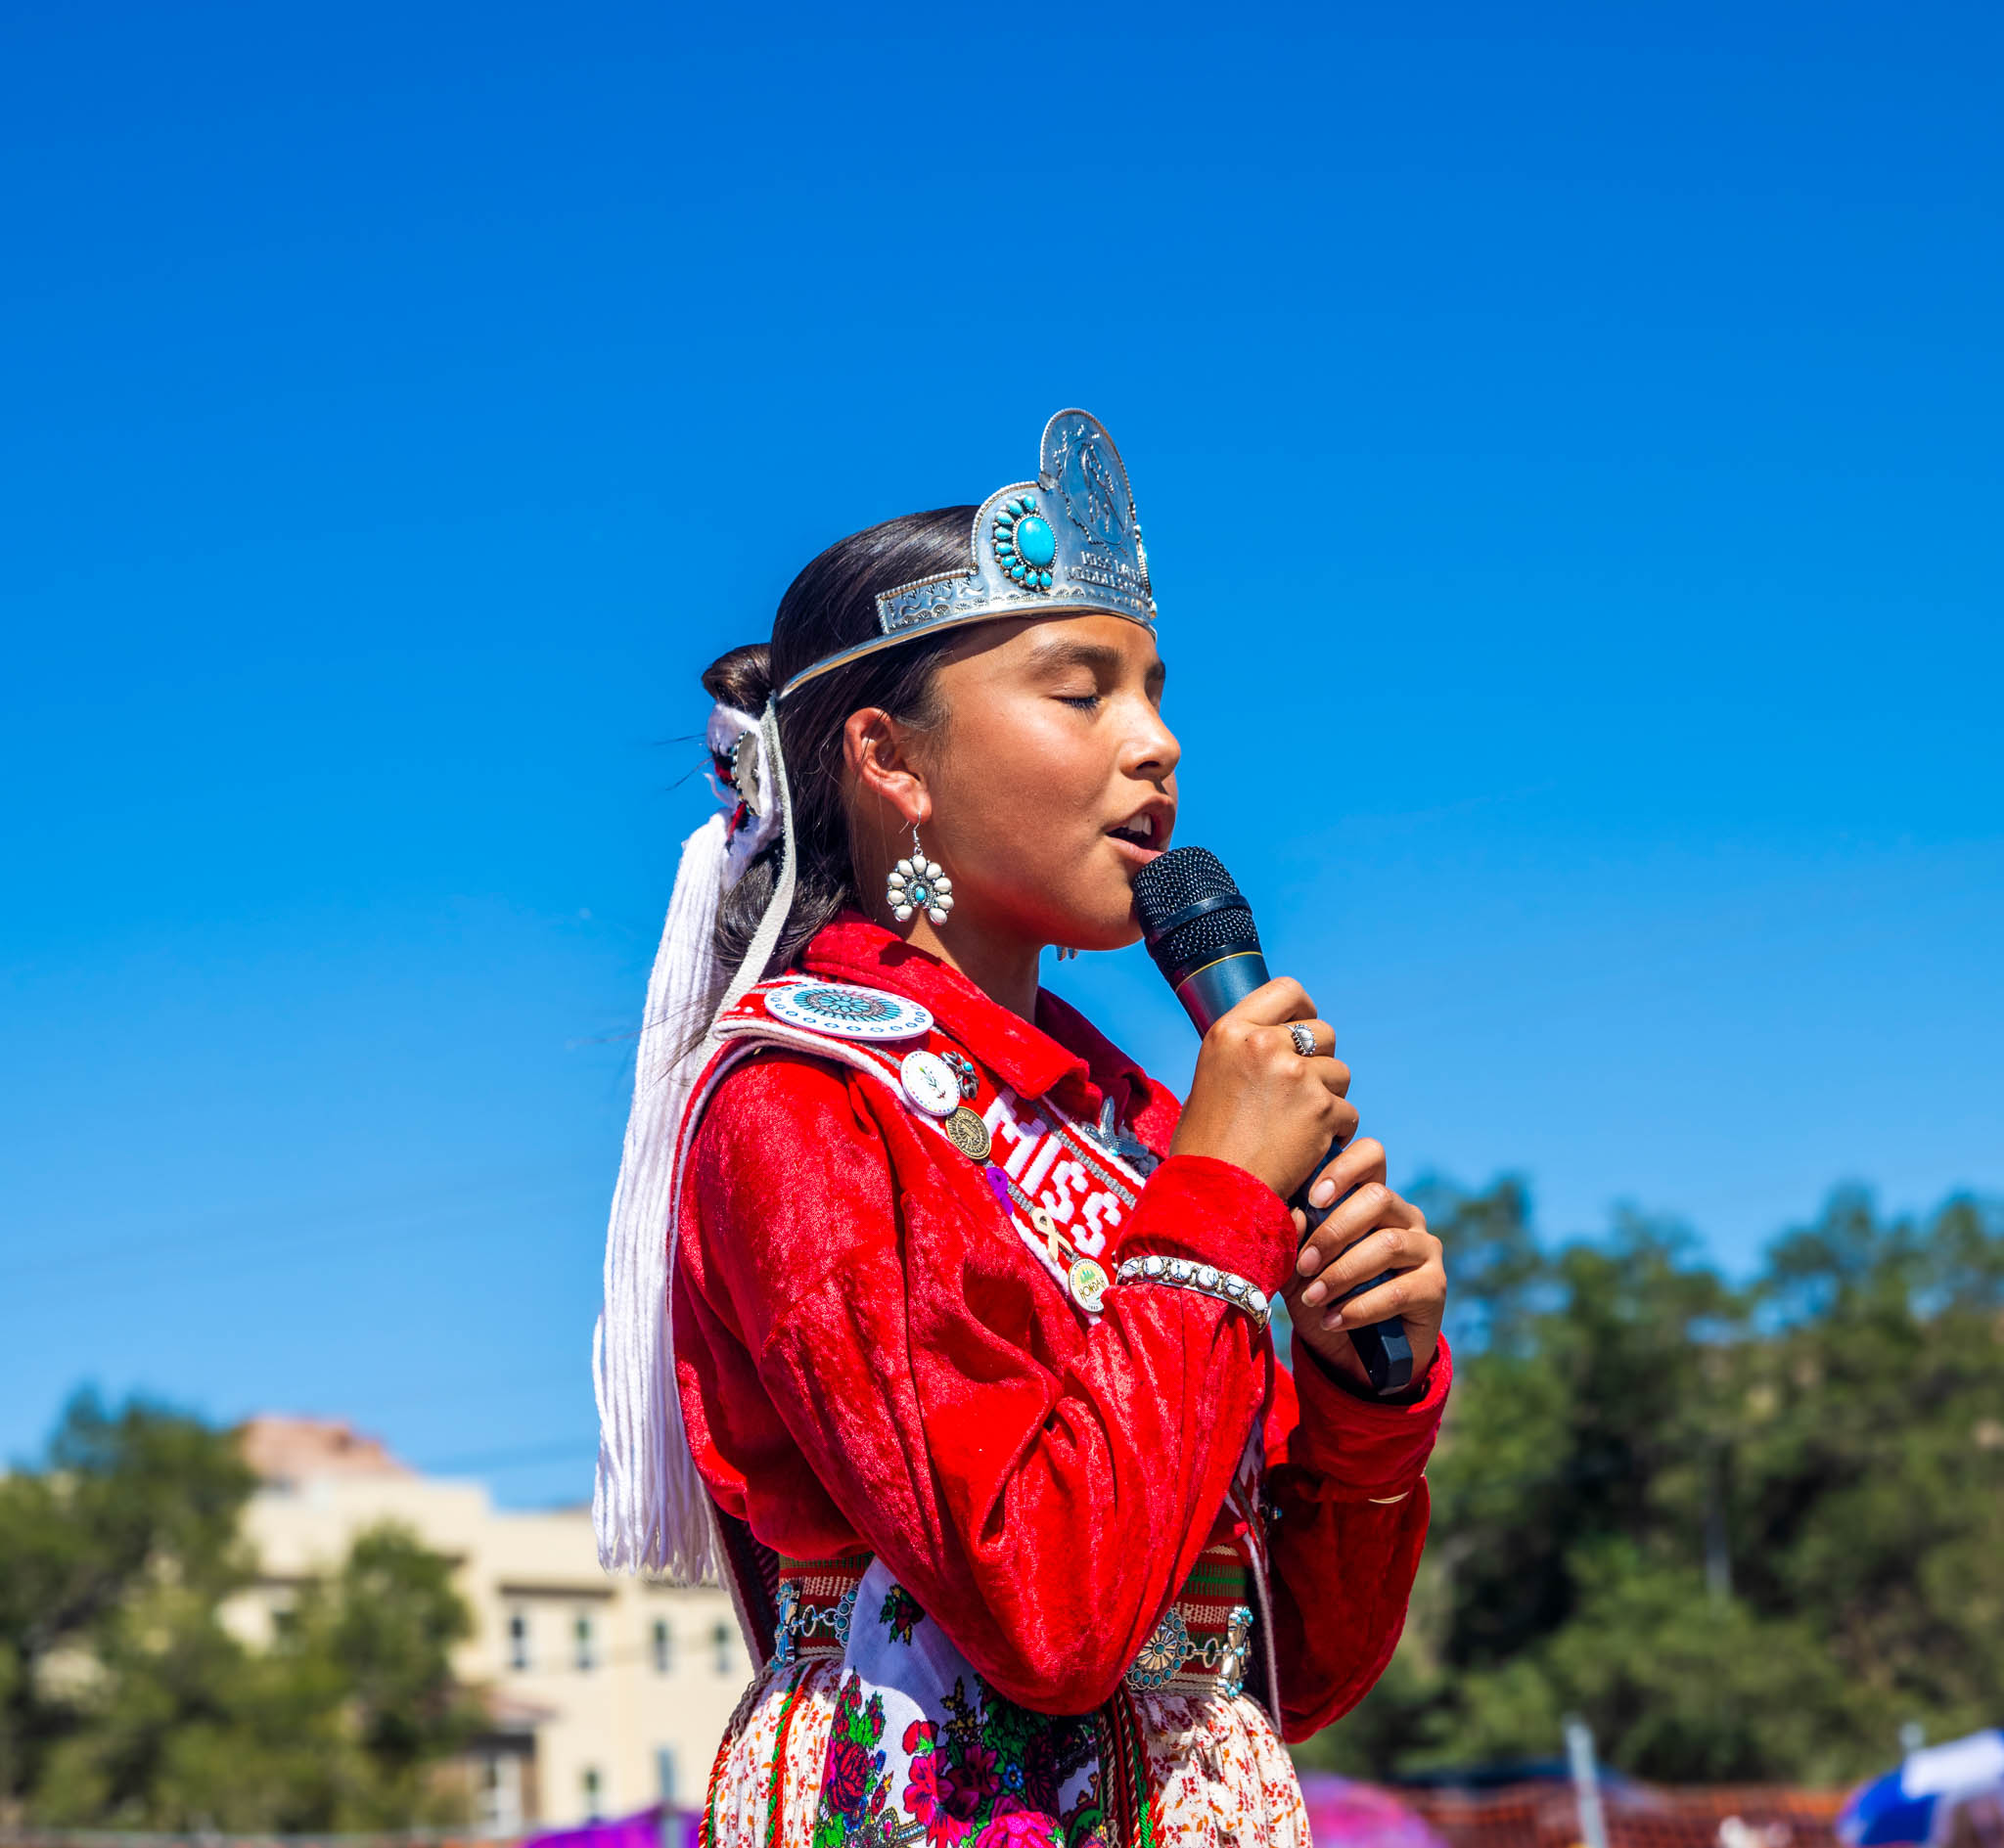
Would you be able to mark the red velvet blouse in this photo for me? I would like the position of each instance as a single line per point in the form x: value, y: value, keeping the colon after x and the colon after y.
x: 867, y: 1355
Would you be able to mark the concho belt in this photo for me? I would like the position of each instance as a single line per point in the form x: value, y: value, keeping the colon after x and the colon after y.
x: 1203, y: 1644
x: 814, y: 1603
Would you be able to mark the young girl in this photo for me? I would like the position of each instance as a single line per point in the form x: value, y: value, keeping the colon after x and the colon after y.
x: 932, y: 1322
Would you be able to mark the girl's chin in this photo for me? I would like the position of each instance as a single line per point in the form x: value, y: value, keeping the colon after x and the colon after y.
x: 1111, y: 928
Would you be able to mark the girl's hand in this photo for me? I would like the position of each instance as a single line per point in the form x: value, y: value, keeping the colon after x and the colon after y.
x: 1373, y: 1231
x: 1255, y: 1102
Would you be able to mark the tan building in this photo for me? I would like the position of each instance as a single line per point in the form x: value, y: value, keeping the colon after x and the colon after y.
x: 608, y: 1694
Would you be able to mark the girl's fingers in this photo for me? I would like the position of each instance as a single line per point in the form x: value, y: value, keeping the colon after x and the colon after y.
x: 1372, y: 1205
x: 1388, y: 1248
x: 1324, y: 1043
x: 1332, y: 1071
x: 1280, y: 1001
x: 1343, y: 1116
x: 1322, y: 1065
x: 1360, y: 1161
x: 1395, y: 1296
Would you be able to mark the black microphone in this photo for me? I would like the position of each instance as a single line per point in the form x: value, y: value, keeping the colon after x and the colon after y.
x: 1200, y: 930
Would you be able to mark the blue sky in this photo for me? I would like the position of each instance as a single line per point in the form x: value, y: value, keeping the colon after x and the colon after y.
x: 1568, y: 438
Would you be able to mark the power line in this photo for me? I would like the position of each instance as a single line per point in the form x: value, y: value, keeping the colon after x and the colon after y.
x: 258, y: 1244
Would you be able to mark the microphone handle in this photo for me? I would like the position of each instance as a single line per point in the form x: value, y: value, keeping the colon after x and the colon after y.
x: 1213, y: 990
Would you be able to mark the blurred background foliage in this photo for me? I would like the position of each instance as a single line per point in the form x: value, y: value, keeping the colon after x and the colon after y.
x: 1748, y: 1531
x: 127, y: 1702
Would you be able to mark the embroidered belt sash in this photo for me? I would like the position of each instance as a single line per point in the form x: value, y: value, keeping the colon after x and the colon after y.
x: 1203, y: 1644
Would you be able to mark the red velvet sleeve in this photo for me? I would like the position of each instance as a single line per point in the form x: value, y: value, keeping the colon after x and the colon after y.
x: 1041, y: 1490
x: 1343, y: 1479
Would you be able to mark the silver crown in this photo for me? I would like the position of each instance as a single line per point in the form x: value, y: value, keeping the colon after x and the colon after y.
x: 1066, y: 544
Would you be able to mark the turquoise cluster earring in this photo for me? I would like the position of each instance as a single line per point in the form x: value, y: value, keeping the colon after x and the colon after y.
x: 918, y: 885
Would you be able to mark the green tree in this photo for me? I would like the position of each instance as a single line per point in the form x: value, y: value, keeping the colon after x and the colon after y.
x: 1747, y: 1532
x: 382, y: 1635
x: 137, y: 1504
x: 1869, y: 1458
x: 128, y: 1701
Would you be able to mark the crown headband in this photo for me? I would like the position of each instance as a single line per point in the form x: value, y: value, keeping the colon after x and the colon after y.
x: 1066, y: 544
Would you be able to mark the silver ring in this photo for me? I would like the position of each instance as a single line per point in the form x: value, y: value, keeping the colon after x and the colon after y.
x: 1303, y: 1036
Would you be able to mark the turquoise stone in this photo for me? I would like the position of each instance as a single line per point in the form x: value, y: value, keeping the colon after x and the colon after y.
x: 921, y: 894
x: 1015, y: 571
x: 1047, y: 580
x: 1035, y: 540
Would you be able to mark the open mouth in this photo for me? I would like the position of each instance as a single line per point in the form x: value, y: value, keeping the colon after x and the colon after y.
x: 1145, y: 831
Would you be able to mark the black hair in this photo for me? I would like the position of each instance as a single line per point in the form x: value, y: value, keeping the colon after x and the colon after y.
x: 829, y: 606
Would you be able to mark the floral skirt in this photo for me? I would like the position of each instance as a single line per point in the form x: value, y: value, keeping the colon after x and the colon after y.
x: 897, y: 1742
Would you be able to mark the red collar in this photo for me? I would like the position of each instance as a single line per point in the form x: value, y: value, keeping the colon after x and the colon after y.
x: 1061, y: 1055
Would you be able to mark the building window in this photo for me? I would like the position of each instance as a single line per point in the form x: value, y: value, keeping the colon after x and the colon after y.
x: 721, y: 1636
x: 517, y: 1638
x: 587, y: 1653
x: 591, y: 1792
x: 664, y: 1773
x: 499, y: 1796
x: 663, y: 1646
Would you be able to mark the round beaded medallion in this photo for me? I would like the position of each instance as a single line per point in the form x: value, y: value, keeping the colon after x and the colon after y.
x: 928, y: 1084
x: 848, y: 1013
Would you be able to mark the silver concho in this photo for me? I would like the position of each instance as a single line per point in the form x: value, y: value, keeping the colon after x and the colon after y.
x: 968, y: 1133
x: 1162, y: 1655
x: 845, y: 1011
x: 744, y: 778
x: 929, y: 1083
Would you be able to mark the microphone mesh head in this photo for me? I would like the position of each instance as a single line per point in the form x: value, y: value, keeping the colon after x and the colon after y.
x: 1168, y: 886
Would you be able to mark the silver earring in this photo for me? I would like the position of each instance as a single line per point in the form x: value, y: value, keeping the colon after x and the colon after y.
x: 918, y: 885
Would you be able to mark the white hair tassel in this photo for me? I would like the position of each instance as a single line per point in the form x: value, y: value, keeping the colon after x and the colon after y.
x: 649, y: 1506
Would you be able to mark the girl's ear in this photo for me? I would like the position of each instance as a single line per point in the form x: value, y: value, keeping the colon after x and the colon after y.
x: 876, y: 751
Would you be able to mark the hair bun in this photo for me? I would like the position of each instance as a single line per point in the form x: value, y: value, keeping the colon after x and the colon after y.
x: 742, y: 677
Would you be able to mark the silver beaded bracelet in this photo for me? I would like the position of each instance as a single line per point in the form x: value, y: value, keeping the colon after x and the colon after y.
x: 1205, y: 1279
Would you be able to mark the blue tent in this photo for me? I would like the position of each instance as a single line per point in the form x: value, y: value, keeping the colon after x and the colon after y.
x: 1913, y: 1804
